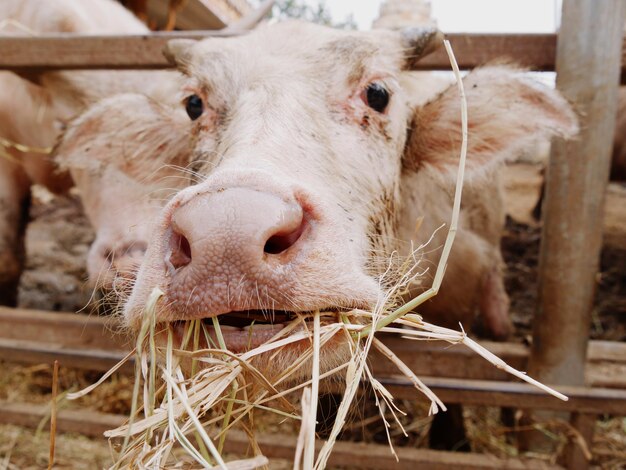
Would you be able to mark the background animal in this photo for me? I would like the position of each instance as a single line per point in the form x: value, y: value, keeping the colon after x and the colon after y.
x: 126, y: 154
x: 33, y: 113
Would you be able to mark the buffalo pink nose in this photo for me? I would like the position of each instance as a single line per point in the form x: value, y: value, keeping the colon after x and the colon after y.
x: 236, y: 230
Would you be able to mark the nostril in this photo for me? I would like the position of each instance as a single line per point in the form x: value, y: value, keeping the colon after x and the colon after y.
x: 180, y: 250
x: 280, y: 242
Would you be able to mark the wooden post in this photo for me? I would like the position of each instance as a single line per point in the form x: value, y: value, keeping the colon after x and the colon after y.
x: 588, y: 73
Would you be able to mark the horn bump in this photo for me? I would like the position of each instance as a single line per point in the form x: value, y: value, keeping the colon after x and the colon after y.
x: 419, y: 42
x: 178, y: 51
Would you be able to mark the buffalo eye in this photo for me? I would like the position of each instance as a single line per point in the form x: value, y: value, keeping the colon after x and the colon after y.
x: 376, y: 97
x: 194, y: 107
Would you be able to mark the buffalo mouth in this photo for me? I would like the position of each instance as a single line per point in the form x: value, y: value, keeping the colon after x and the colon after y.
x: 246, y: 330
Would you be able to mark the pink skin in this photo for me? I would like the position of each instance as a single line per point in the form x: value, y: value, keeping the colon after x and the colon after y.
x: 291, y: 150
x: 238, y: 339
x: 241, y: 222
x: 234, y: 260
x: 112, y: 201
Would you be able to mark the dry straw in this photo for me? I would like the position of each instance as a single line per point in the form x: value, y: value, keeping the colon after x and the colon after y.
x: 6, y: 144
x: 184, y: 420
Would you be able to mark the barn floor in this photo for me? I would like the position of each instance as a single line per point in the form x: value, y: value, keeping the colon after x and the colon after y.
x: 58, y: 239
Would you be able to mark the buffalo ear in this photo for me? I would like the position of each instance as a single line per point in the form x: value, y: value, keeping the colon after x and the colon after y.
x: 507, y: 113
x: 178, y: 52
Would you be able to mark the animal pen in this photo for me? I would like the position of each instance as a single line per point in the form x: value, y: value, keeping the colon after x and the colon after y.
x: 587, y: 55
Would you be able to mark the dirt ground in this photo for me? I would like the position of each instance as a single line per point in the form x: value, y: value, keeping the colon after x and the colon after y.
x: 520, y: 248
x: 57, y: 242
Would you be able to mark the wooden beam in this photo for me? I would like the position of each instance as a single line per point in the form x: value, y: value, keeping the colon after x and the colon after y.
x: 512, y: 394
x: 450, y: 390
x: 70, y: 51
x: 70, y: 330
x: 536, y: 51
x: 36, y: 352
x: 28, y: 55
x: 67, y: 51
x: 86, y: 422
x: 376, y: 456
x: 606, y: 364
x: 97, y: 343
x: 441, y: 362
x: 279, y: 446
x: 440, y: 359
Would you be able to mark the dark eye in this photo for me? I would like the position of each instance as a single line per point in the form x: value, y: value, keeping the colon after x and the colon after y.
x: 194, y: 107
x: 376, y: 97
